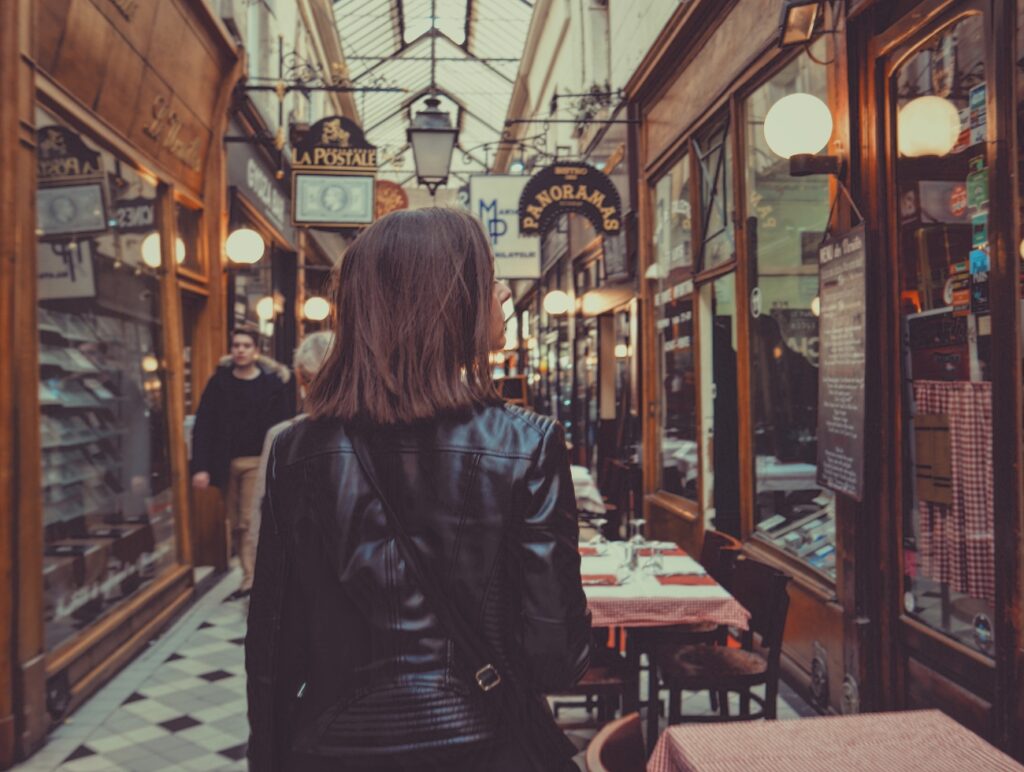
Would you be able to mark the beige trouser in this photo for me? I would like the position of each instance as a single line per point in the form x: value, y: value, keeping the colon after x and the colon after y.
x: 239, y: 500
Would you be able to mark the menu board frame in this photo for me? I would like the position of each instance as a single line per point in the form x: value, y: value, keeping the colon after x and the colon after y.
x: 842, y: 362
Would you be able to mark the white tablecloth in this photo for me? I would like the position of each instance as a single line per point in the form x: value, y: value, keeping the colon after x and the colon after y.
x: 643, y: 601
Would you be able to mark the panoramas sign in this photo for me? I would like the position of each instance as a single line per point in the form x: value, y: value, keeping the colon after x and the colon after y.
x: 334, y: 170
x: 494, y: 199
x: 841, y: 363
x: 569, y: 188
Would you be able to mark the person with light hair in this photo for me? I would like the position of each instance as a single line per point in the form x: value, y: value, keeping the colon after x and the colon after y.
x: 309, y: 356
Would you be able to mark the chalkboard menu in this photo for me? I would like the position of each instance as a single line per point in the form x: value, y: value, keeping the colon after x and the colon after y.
x: 841, y: 363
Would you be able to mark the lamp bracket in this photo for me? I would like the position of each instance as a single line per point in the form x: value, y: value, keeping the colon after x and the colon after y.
x: 806, y: 165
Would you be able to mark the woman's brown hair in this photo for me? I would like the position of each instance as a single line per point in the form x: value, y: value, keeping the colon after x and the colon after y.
x: 413, y: 321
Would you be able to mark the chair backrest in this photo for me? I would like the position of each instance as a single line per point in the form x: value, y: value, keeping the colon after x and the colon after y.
x: 618, y: 747
x: 718, y: 554
x: 761, y: 590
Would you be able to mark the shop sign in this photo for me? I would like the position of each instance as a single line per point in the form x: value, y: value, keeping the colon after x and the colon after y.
x: 569, y: 188
x: 136, y: 215
x: 167, y: 128
x: 69, y: 197
x: 391, y: 197
x: 841, y: 329
x: 333, y: 173
x: 253, y: 178
x: 494, y: 199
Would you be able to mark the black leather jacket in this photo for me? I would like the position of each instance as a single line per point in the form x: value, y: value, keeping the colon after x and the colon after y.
x: 488, y: 500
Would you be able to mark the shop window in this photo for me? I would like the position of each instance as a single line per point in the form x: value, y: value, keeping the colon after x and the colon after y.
x: 718, y: 235
x: 108, y: 515
x: 785, y: 218
x: 939, y: 98
x: 673, y: 247
x: 188, y: 250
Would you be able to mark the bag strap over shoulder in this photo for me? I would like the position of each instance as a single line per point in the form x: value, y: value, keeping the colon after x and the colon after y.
x: 470, y: 645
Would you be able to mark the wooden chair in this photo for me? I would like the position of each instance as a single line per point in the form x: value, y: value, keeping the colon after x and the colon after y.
x: 618, y: 747
x: 609, y: 682
x: 718, y: 554
x: 720, y: 669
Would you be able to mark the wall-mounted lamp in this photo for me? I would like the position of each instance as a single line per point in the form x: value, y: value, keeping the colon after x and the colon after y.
x: 800, y: 21
x: 557, y: 303
x: 151, y: 250
x: 244, y: 246
x: 265, y: 308
x: 798, y: 127
x: 316, y: 308
x: 622, y: 351
x: 927, y: 125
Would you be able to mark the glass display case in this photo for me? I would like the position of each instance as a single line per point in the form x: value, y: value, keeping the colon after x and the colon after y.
x: 108, y: 514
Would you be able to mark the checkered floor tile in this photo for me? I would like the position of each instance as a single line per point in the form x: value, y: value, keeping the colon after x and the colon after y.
x: 188, y: 712
x: 182, y: 705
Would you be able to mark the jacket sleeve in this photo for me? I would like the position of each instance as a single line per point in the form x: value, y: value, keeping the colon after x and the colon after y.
x: 556, y: 623
x: 271, y: 695
x: 202, y: 433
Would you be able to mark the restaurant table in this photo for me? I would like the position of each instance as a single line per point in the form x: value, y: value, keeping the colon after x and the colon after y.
x: 643, y: 601
x: 681, y: 593
x: 915, y: 741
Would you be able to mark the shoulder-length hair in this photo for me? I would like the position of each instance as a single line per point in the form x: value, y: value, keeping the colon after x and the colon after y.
x: 412, y: 297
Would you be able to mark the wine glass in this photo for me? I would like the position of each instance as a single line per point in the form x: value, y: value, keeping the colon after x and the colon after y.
x: 637, y: 527
x: 598, y: 540
x: 653, y: 565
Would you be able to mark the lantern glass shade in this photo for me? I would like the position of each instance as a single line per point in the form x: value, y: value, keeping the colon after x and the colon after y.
x: 432, y: 139
x: 799, y: 19
x: 316, y: 308
x: 244, y: 246
x: 798, y: 124
x: 265, y: 308
x: 926, y: 126
x: 557, y: 303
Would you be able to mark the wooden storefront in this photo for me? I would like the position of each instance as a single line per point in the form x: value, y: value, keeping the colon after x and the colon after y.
x: 113, y: 220
x: 884, y: 613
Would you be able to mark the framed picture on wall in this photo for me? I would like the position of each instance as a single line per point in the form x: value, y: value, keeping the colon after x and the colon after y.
x: 333, y: 199
x: 71, y: 210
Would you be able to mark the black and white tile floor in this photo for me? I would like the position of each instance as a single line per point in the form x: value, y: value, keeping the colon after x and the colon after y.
x: 181, y: 705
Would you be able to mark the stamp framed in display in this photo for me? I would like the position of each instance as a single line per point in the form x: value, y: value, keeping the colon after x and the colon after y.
x: 71, y: 210
x: 333, y: 200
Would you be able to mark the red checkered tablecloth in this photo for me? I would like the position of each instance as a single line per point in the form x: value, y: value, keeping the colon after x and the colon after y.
x: 918, y: 741
x: 643, y: 601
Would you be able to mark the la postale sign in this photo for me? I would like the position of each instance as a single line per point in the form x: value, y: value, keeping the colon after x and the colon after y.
x: 576, y: 188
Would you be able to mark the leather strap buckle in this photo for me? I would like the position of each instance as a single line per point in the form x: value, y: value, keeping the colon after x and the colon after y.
x: 487, y: 678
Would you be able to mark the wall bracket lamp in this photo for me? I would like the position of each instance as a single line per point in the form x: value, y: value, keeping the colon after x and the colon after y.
x: 801, y: 21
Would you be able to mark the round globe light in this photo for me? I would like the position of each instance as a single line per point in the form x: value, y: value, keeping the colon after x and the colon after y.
x: 557, y: 303
x: 265, y: 308
x: 797, y: 124
x: 927, y: 125
x: 816, y: 305
x: 150, y: 364
x: 316, y: 309
x: 621, y: 351
x: 151, y: 250
x: 245, y: 246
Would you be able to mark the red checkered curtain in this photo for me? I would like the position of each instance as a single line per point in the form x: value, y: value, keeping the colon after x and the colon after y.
x: 956, y: 544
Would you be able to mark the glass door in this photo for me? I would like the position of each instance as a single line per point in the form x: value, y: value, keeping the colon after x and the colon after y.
x: 719, y: 399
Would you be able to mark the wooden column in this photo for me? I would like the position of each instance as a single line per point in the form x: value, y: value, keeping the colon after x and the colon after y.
x: 22, y: 693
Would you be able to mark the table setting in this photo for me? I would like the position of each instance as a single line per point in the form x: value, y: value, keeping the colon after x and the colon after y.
x: 637, y: 583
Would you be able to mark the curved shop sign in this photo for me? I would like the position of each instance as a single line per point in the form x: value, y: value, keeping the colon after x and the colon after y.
x: 569, y: 188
